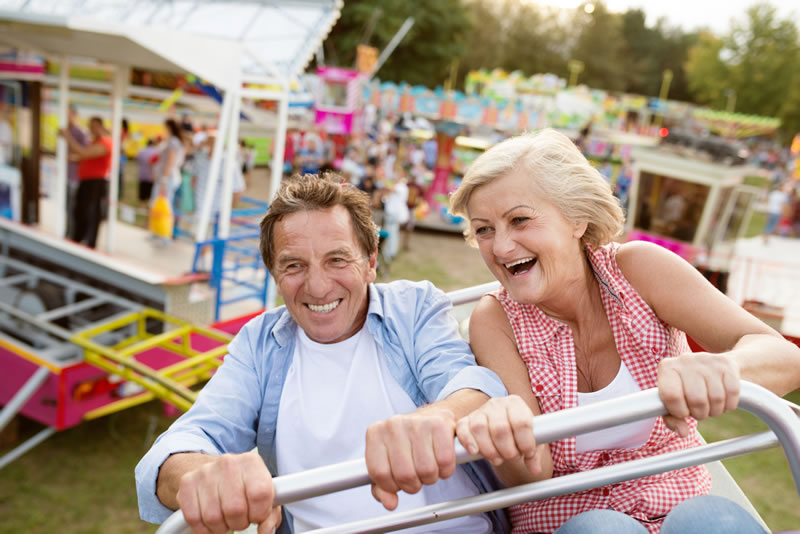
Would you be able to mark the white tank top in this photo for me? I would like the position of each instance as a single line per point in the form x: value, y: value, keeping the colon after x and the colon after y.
x: 629, y: 436
x: 332, y: 393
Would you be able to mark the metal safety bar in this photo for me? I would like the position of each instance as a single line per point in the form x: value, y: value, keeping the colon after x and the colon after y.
x: 550, y: 427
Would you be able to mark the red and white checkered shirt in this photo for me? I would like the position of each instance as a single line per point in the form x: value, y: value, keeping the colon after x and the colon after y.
x: 642, y: 340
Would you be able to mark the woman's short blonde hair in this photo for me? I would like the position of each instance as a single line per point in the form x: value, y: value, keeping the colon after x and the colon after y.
x: 559, y: 172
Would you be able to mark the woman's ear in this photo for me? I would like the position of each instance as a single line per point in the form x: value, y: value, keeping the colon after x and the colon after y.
x: 579, y: 228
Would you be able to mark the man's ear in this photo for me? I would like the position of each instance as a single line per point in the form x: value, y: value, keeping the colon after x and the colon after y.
x: 579, y: 228
x: 372, y: 262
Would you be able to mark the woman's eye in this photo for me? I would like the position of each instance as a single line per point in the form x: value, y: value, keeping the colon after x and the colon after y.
x: 481, y: 230
x: 518, y: 220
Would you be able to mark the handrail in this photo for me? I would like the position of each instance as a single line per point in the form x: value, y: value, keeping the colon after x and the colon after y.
x: 555, y: 426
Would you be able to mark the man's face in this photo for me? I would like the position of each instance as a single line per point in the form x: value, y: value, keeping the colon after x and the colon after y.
x: 96, y: 127
x: 322, y: 273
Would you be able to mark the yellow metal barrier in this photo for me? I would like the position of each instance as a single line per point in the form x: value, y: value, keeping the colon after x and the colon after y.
x: 171, y: 383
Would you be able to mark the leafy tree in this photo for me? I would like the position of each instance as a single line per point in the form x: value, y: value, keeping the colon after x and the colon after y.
x: 708, y: 75
x: 440, y: 34
x: 763, y: 52
x: 756, y: 61
x: 600, y: 48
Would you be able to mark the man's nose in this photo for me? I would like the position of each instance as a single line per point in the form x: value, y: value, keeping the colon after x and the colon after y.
x: 317, y: 282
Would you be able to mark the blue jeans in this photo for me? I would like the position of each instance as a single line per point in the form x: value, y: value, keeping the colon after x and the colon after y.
x: 706, y: 514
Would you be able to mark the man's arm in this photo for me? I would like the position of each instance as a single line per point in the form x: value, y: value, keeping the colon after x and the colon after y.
x: 219, y: 493
x: 93, y: 150
x: 406, y: 451
x: 222, y: 422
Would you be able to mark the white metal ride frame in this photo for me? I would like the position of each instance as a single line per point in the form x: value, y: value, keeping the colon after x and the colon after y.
x: 783, y: 422
x: 228, y: 44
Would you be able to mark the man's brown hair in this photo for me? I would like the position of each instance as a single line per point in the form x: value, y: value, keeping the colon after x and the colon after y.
x: 311, y: 192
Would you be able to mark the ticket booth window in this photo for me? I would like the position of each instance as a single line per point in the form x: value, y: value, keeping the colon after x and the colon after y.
x: 334, y: 95
x: 669, y: 207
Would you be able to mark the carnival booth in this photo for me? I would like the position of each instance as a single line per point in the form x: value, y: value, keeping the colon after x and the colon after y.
x: 687, y: 203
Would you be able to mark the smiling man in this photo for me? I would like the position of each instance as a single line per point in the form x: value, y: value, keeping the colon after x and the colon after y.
x: 346, y: 369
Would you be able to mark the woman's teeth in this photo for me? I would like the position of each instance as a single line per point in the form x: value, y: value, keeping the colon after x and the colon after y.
x: 325, y: 308
x: 520, y: 266
x: 524, y: 260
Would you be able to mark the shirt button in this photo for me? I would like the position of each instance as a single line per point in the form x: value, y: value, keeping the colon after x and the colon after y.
x: 653, y: 350
x: 539, y: 388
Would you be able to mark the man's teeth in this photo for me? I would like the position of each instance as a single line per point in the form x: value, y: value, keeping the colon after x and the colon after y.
x: 524, y: 260
x: 325, y: 308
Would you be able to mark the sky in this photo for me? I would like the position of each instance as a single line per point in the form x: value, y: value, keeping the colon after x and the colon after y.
x: 691, y: 14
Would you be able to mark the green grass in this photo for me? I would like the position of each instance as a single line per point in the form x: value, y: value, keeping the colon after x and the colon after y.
x: 763, y: 476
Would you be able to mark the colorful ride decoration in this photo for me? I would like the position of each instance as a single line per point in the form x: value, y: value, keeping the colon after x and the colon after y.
x: 337, y: 100
x: 735, y: 125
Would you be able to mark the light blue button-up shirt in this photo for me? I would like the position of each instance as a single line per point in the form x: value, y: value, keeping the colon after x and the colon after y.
x: 238, y: 408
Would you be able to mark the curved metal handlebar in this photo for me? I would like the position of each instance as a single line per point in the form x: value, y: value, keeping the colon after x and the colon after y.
x: 555, y: 426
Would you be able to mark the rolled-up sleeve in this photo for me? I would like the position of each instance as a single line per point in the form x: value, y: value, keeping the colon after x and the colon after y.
x: 445, y: 363
x: 222, y: 420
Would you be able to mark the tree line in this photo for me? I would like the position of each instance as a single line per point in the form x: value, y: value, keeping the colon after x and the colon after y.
x: 753, y: 68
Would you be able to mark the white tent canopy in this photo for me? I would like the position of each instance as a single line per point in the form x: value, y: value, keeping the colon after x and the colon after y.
x: 277, y: 37
x: 226, y: 43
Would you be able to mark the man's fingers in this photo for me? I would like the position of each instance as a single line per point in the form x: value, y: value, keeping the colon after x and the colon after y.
x: 423, y: 457
x: 445, y: 452
x: 388, y: 499
x: 190, y: 505
x: 232, y: 495
x: 272, y: 522
x: 259, y: 491
x: 377, y: 458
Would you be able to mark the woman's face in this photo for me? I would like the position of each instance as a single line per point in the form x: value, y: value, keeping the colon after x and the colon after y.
x: 524, y: 239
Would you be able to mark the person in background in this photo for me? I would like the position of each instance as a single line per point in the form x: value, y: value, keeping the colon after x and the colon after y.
x: 395, y: 214
x: 581, y: 318
x: 310, y: 155
x: 93, y: 171
x: 200, y: 170
x: 167, y: 170
x: 777, y: 200
x: 415, y: 196
x: 81, y: 137
x: 6, y: 137
x: 144, y: 165
x: 186, y: 125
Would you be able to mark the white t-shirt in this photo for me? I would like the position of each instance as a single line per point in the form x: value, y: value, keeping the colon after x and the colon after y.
x: 776, y: 201
x: 395, y: 206
x: 332, y: 393
x: 629, y: 436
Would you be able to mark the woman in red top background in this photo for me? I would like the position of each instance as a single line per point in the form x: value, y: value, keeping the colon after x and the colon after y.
x: 94, y: 166
x: 580, y: 318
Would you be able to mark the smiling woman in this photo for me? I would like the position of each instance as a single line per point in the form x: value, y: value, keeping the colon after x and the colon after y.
x: 580, y: 318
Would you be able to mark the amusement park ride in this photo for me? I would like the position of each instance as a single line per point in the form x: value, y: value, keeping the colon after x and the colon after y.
x: 85, y: 333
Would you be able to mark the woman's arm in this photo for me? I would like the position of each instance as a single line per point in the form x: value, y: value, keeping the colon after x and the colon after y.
x: 738, y: 345
x: 502, y: 429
